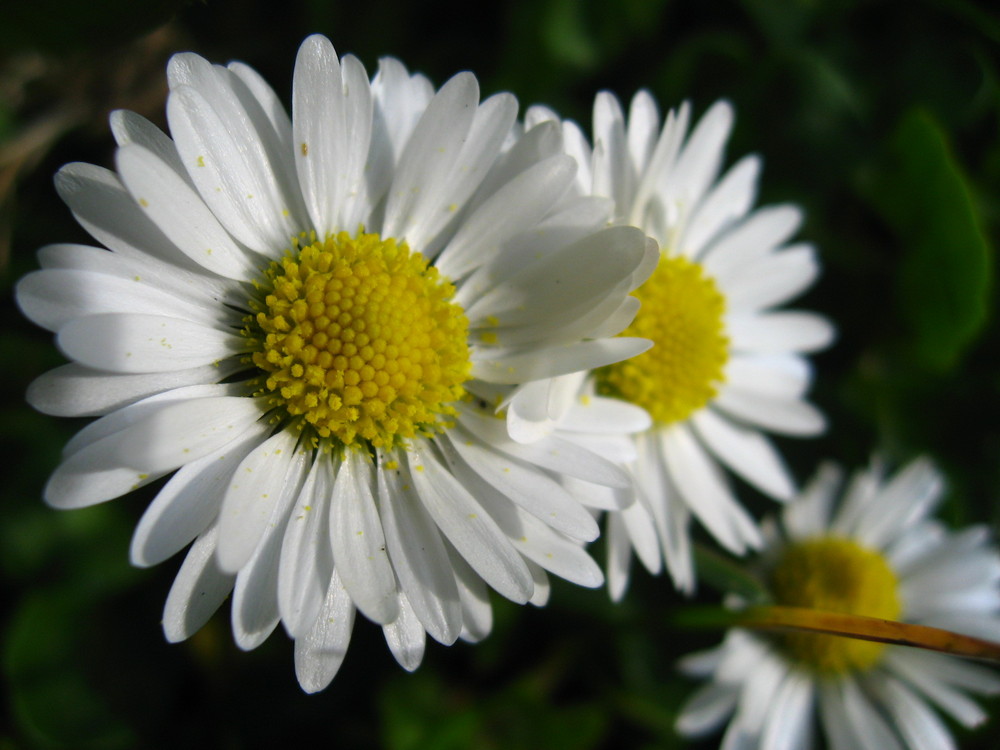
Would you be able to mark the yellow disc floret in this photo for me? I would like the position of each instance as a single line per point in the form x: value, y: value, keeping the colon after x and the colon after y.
x: 682, y: 313
x: 834, y: 574
x: 357, y: 340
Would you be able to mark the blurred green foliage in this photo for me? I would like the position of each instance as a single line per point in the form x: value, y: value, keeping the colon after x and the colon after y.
x: 881, y: 119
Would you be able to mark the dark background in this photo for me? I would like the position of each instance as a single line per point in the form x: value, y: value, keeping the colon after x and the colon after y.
x: 880, y: 118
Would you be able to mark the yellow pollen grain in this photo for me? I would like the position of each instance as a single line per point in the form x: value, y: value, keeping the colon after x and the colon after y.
x: 682, y: 314
x: 834, y: 574
x: 358, y: 340
x: 201, y: 161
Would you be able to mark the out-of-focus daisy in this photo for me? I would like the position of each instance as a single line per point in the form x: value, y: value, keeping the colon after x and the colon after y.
x: 726, y: 366
x: 307, y: 319
x: 877, y: 554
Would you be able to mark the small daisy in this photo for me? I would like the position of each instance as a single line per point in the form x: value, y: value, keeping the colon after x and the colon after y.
x: 879, y: 555
x: 726, y: 365
x: 303, y: 322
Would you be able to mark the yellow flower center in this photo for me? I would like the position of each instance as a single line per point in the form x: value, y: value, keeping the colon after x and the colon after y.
x: 357, y: 340
x: 835, y: 575
x: 681, y: 313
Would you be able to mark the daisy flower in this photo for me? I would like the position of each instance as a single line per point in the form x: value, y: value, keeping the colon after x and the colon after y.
x: 302, y: 322
x: 878, y: 554
x: 727, y: 366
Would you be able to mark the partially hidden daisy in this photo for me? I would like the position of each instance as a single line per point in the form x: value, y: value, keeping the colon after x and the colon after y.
x: 307, y: 324
x: 727, y: 365
x: 875, y: 553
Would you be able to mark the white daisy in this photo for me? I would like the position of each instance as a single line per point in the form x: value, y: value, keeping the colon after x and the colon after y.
x: 302, y: 320
x: 877, y: 554
x: 727, y: 366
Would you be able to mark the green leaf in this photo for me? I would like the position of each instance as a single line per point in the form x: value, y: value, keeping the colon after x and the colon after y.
x: 945, y: 274
x: 726, y: 575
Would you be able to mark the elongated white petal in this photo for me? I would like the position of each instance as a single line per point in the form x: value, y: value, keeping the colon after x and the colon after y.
x: 73, y: 390
x: 231, y: 171
x: 430, y: 154
x: 332, y: 118
x: 54, y: 297
x: 405, y: 636
x: 789, y: 417
x: 129, y: 127
x: 255, y: 614
x: 306, y: 560
x: 777, y: 332
x: 198, y: 590
x: 477, y: 612
x: 552, y: 453
x: 266, y: 481
x: 747, y: 452
x: 521, y: 367
x: 471, y: 531
x: 189, y: 502
x: 418, y: 555
x: 359, y: 547
x: 181, y: 432
x: 526, y: 487
x: 705, y: 492
x: 135, y: 343
x: 174, y: 206
x: 523, y: 202
x: 319, y: 654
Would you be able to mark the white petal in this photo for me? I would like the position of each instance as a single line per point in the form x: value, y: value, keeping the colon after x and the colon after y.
x: 430, y: 156
x: 216, y: 298
x: 568, y: 278
x: 918, y: 725
x: 777, y: 332
x: 129, y: 127
x: 512, y: 368
x: 54, y: 297
x: 442, y: 194
x: 110, y: 214
x: 73, y: 390
x: 359, y: 548
x: 319, y: 654
x: 306, y: 562
x: 174, y: 206
x: 471, y: 531
x: 332, y: 121
x: 523, y: 202
x: 707, y: 709
x: 746, y: 452
x: 728, y: 201
x: 752, y: 239
x: 705, y: 491
x: 405, y: 636
x: 538, y: 542
x: 784, y: 416
x: 198, y: 590
x: 772, y: 281
x: 255, y: 598
x: 477, y: 612
x: 870, y: 729
x: 551, y: 453
x: 189, y: 502
x: 134, y: 343
x: 232, y: 172
x: 267, y: 480
x: 771, y: 375
x: 527, y: 487
x: 418, y: 555
x: 181, y: 432
x: 789, y: 723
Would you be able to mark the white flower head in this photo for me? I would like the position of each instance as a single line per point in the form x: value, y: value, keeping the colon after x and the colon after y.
x: 727, y: 365
x: 305, y: 321
x: 877, y: 553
